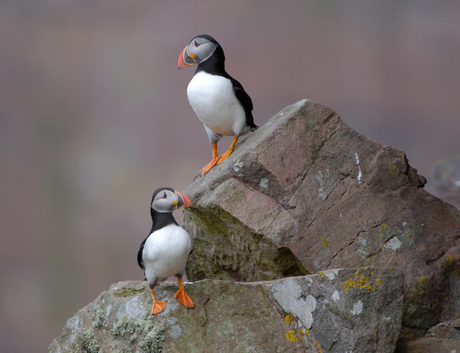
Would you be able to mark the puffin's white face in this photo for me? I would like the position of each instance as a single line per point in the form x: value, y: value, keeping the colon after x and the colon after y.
x: 198, y: 50
x: 167, y: 201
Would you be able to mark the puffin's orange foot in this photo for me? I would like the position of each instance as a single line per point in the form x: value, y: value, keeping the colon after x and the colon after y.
x: 229, y: 151
x: 209, y: 166
x: 158, y: 307
x: 184, y: 299
x: 224, y: 156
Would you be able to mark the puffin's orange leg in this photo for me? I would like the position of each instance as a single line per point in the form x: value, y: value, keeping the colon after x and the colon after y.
x: 211, y: 164
x: 157, y: 307
x: 183, y: 297
x: 229, y: 152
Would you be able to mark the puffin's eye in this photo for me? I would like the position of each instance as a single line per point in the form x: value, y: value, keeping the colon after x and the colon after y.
x: 164, y: 195
x: 197, y: 44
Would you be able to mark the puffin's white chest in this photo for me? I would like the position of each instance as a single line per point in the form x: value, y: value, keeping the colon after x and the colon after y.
x: 215, y: 104
x: 166, y: 251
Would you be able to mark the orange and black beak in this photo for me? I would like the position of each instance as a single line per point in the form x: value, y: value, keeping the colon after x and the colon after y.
x: 185, y: 59
x: 182, y: 201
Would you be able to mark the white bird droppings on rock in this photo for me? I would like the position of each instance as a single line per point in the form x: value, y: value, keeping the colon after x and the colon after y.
x: 319, y: 178
x: 360, y: 174
x: 331, y: 274
x: 108, y: 310
x: 357, y: 308
x: 362, y: 241
x: 237, y: 166
x: 335, y: 295
x: 133, y: 308
x: 263, y: 183
x: 393, y: 244
x: 288, y: 294
x: 175, y: 331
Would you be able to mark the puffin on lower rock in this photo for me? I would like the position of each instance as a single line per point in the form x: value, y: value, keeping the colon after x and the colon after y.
x: 218, y: 100
x: 165, y: 251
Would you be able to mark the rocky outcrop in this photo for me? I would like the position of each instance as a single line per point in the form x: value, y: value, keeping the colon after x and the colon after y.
x: 303, y: 196
x: 306, y: 193
x: 333, y: 311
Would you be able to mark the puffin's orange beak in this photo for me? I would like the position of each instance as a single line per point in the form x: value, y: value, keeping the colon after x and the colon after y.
x: 184, y: 59
x: 183, y: 200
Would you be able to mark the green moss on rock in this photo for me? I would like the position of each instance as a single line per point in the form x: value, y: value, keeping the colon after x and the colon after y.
x: 128, y: 292
x: 99, y: 318
x: 142, y: 330
x: 87, y: 342
x: 152, y: 343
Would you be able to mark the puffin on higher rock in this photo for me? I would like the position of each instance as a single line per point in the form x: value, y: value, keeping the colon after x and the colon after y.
x: 165, y: 251
x: 219, y: 101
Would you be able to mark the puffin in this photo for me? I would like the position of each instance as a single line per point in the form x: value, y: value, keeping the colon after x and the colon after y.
x: 164, y: 252
x: 218, y: 100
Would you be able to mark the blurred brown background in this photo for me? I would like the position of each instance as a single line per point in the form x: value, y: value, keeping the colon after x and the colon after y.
x: 94, y: 117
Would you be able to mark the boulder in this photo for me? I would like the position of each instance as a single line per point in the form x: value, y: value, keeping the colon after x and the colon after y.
x: 429, y: 345
x: 449, y: 329
x: 306, y: 193
x: 342, y: 310
x: 444, y: 337
x: 445, y: 177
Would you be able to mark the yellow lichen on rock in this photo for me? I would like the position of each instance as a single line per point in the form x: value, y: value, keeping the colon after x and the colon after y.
x: 421, y: 286
x: 319, y: 347
x: 288, y: 319
x: 451, y: 264
x: 394, y: 169
x: 362, y: 281
x: 290, y: 335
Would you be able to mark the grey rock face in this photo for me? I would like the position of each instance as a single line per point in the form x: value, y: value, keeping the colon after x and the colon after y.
x: 334, y: 311
x: 306, y: 193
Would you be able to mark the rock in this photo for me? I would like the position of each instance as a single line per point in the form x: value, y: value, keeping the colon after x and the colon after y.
x: 445, y: 176
x: 444, y: 337
x: 343, y: 310
x: 306, y: 193
x: 429, y: 345
x: 448, y: 329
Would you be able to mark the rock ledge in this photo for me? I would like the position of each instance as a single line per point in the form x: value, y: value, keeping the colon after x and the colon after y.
x: 342, y: 310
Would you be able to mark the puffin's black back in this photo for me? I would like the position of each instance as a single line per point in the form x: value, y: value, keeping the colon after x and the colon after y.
x: 159, y: 220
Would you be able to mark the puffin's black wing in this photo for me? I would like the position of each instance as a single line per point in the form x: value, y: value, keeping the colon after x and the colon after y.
x: 140, y: 261
x: 245, y: 101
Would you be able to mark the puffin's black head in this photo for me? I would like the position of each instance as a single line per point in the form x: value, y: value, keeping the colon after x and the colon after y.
x: 166, y: 200
x: 199, y: 49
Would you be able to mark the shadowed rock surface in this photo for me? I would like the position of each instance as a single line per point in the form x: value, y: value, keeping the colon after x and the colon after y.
x: 334, y: 311
x: 444, y: 337
x: 306, y: 193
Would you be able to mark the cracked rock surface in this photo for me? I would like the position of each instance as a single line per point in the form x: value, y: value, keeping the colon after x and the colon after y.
x: 306, y: 193
x: 334, y: 311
